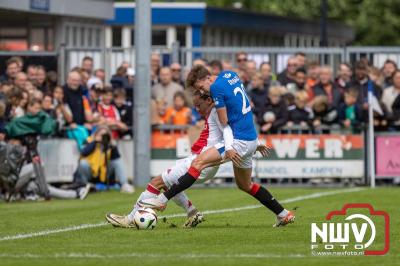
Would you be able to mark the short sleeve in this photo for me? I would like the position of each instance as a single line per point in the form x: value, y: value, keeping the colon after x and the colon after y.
x: 217, y: 93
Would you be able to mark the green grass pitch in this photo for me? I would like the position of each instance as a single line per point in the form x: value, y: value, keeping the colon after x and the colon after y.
x: 241, y: 237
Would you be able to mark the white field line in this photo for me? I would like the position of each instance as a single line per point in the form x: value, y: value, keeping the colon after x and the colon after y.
x: 249, y: 207
x: 148, y: 255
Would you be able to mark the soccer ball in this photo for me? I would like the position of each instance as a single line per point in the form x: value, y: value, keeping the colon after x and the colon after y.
x: 145, y: 218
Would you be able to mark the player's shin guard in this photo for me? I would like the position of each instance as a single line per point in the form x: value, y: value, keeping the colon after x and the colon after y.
x: 266, y: 198
x: 184, y: 182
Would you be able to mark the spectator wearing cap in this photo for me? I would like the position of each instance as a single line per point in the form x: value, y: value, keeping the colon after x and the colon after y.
x: 343, y: 80
x: 274, y: 113
x: 389, y: 67
x: 287, y: 76
x: 327, y: 87
x: 166, y: 89
x: 12, y: 68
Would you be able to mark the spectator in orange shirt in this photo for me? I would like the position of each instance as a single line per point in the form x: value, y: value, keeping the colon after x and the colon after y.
x: 180, y: 113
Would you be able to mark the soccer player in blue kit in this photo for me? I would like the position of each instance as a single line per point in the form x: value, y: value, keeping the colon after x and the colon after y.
x: 240, y: 138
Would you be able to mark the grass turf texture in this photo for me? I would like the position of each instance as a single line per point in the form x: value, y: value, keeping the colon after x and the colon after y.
x: 234, y: 238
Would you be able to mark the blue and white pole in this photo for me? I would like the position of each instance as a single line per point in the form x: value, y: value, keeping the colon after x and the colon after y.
x: 371, y: 140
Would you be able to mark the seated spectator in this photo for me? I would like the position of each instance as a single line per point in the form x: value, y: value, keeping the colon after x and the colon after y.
x: 391, y: 98
x: 14, y: 96
x: 41, y: 80
x: 241, y: 60
x: 63, y: 112
x: 100, y: 74
x: 376, y: 75
x: 87, y: 65
x: 327, y: 87
x: 178, y: 114
x: 287, y: 76
x: 313, y: 71
x: 274, y: 113
x: 125, y: 110
x: 300, y: 78
x: 21, y: 109
x: 361, y: 84
x: 176, y: 71
x: 12, y: 68
x: 48, y: 107
x: 343, y: 80
x: 216, y: 67
x: 351, y: 114
x: 120, y: 79
x: 389, y: 67
x: 166, y: 89
x: 20, y: 80
x: 259, y: 94
x: 110, y: 115
x: 31, y: 72
x: 80, y: 108
x: 300, y: 113
x: 158, y: 110
x: 51, y: 80
x: 266, y: 73
x: 92, y: 165
x: 324, y: 113
x: 251, y: 69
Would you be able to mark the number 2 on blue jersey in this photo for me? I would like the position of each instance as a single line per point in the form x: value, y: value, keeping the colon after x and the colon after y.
x: 240, y: 90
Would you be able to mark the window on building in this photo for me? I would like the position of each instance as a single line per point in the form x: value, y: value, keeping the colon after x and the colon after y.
x: 117, y: 36
x: 181, y: 35
x: 159, y: 37
x: 13, y: 39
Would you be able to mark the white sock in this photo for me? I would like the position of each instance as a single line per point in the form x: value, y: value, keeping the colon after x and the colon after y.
x: 181, y: 199
x: 162, y: 198
x: 283, y: 213
x: 144, y: 195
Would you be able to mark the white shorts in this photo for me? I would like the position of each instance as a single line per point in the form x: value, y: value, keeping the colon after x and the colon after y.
x: 172, y: 174
x: 246, y: 150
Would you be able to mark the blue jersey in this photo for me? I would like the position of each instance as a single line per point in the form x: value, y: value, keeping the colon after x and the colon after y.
x: 228, y: 91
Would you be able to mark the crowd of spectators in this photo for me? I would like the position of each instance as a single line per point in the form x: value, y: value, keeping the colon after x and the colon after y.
x: 304, y: 95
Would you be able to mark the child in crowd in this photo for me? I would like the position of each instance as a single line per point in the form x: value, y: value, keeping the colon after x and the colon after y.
x: 351, y: 114
x: 300, y: 113
x: 109, y: 113
x: 180, y: 113
x: 273, y: 115
x: 124, y: 108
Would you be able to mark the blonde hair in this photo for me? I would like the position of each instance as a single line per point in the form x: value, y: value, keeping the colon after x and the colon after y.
x: 302, y: 96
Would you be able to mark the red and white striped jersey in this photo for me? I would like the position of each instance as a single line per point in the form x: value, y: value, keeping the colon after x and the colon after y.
x: 210, y: 135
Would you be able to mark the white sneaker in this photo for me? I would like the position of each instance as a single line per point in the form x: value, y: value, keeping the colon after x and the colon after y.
x: 153, y: 203
x: 127, y: 188
x: 83, y: 191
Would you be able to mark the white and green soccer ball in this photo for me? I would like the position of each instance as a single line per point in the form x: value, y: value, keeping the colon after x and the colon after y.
x: 145, y: 219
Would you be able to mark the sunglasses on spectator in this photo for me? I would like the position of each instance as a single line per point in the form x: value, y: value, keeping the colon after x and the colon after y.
x: 242, y: 59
